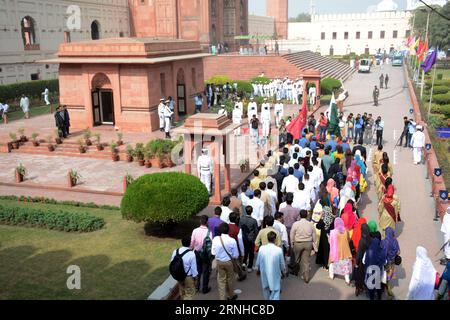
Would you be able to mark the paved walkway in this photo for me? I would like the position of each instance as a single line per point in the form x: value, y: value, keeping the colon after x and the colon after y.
x: 417, y: 207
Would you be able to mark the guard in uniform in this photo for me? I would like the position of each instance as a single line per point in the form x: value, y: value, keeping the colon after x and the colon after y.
x: 265, y: 118
x: 167, y: 112
x: 279, y: 112
x: 252, y: 110
x: 162, y: 121
x: 237, y: 119
x: 205, y: 169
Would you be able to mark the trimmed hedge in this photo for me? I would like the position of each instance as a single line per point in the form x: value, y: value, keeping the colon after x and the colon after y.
x: 437, y: 83
x: 244, y: 86
x: 263, y: 80
x: 440, y: 89
x: 441, y: 109
x: 441, y: 98
x: 329, y: 85
x: 53, y: 201
x: 219, y: 80
x: 50, y: 219
x: 164, y: 198
x: 33, y: 89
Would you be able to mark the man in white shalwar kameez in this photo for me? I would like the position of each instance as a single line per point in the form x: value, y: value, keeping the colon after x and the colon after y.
x: 279, y: 113
x: 271, y: 267
x: 237, y: 119
x: 265, y: 118
x: 418, y: 143
x: 162, y: 120
x: 46, y: 94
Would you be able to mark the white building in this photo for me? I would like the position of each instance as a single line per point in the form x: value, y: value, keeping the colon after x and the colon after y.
x: 33, y: 30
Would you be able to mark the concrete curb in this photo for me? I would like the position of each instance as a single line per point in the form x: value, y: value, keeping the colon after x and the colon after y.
x: 437, y: 183
x: 168, y: 290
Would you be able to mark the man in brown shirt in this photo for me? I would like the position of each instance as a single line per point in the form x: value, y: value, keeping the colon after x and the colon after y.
x: 235, y: 202
x: 303, y: 240
x: 265, y: 197
x: 290, y: 213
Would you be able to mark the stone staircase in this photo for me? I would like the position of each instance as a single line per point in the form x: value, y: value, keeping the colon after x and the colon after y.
x: 68, y: 149
x: 327, y: 66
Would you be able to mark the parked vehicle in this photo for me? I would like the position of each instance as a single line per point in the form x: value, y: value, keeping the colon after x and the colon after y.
x: 364, y: 65
x: 397, y: 60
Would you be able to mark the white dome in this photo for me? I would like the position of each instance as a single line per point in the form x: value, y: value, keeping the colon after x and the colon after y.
x: 387, y: 5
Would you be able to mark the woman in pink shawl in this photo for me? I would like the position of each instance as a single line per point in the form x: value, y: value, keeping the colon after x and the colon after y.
x: 340, y: 255
x: 349, y: 217
x: 333, y: 192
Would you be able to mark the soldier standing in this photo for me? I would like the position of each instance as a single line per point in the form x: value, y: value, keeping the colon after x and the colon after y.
x: 381, y: 81
x: 376, y: 94
x: 167, y: 117
x: 162, y: 121
x: 205, y: 169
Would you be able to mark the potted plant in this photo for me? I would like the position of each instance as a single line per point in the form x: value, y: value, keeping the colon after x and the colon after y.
x: 34, y: 139
x: 73, y: 177
x: 119, y: 138
x: 14, y: 142
x: 114, y: 151
x: 81, y: 146
x: 21, y: 171
x: 130, y: 152
x: 58, y: 135
x: 98, y: 137
x: 148, y: 158
x: 87, y: 137
x: 139, y: 153
x: 50, y: 146
x: 23, y: 138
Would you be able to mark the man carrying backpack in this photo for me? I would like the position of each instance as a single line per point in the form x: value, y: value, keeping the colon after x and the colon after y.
x: 183, y: 268
x: 201, y: 242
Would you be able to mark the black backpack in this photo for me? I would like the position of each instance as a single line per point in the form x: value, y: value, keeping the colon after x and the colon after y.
x: 176, y: 267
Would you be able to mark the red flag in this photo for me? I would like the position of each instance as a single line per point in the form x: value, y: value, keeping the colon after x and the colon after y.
x: 419, y: 48
x: 424, y: 51
x: 296, y: 125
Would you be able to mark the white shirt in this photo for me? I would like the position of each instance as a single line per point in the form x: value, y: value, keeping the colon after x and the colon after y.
x: 290, y: 184
x: 316, y: 176
x: 224, y: 112
x: 225, y: 216
x: 237, y: 116
x: 243, y: 197
x: 281, y: 228
x: 312, y: 91
x: 161, y: 107
x: 418, y: 139
x: 218, y: 251
x: 274, y: 197
x: 204, y: 164
x: 167, y: 112
x: 292, y: 162
x: 302, y: 200
x: 189, y: 261
x: 240, y: 106
x: 258, y: 209
x: 252, y: 109
x: 445, y: 228
x: 279, y: 108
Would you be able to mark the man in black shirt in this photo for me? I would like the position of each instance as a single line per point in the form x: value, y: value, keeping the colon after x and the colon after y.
x: 359, y: 147
x: 404, y: 132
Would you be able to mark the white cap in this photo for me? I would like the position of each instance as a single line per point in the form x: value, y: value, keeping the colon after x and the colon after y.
x: 419, y: 127
x: 222, y: 106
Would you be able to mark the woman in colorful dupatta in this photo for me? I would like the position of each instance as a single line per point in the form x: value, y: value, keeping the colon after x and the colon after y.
x: 346, y: 194
x: 380, y: 180
x: 333, y: 193
x: 349, y: 217
x: 390, y: 244
x: 362, y: 246
x: 388, y: 209
x: 340, y: 261
x: 356, y: 236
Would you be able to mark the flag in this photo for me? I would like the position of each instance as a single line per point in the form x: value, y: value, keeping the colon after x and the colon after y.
x: 333, y: 126
x: 420, y: 47
x: 412, y: 46
x: 430, y: 60
x: 424, y: 51
x: 328, y: 112
x: 296, y: 125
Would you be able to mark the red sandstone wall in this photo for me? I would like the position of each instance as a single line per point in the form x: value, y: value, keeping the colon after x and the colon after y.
x: 278, y: 9
x: 247, y: 67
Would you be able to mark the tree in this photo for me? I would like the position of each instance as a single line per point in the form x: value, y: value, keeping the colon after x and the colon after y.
x: 438, y: 29
x: 302, y: 17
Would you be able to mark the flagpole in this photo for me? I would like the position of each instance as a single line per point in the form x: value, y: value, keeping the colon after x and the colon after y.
x: 431, y: 92
x: 426, y: 39
x: 414, y: 23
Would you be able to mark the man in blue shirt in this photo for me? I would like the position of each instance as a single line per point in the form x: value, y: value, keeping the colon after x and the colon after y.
x: 331, y: 143
x: 359, y: 123
x: 411, y: 131
x: 303, y: 140
x: 297, y: 172
x: 198, y: 103
x: 313, y: 144
x: 345, y: 145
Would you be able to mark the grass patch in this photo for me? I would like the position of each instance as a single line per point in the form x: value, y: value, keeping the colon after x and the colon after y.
x: 117, y: 262
x: 34, y: 112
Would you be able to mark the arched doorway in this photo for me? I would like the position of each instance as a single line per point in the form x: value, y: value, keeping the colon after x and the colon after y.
x: 181, y: 92
x: 102, y: 100
x: 95, y: 30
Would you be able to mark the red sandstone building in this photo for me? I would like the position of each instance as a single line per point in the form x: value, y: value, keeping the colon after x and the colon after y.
x: 120, y: 81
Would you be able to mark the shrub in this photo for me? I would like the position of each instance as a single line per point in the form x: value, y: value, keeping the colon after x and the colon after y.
x: 164, y: 198
x: 441, y: 109
x: 429, y: 83
x: 329, y: 85
x: 440, y: 90
x: 263, y: 80
x: 219, y: 80
x: 32, y: 89
x: 442, y: 98
x: 50, y: 219
x: 244, y: 86
x: 53, y: 201
x: 436, y: 121
x: 439, y: 76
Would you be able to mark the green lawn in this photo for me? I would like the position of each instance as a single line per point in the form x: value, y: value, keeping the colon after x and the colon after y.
x: 445, y: 73
x: 34, y: 111
x: 117, y: 262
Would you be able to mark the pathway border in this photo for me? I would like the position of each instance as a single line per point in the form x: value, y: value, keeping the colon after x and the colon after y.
x: 437, y: 183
